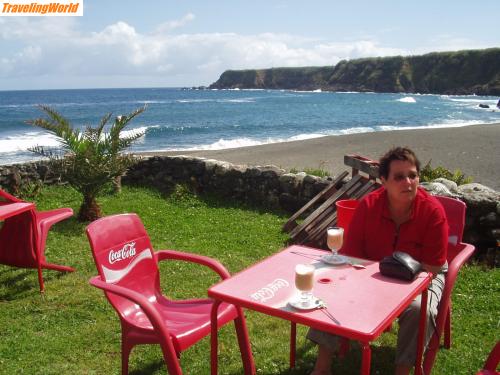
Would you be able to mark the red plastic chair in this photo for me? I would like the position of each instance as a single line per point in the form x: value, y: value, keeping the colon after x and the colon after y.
x: 23, y: 237
x: 491, y: 364
x: 458, y: 254
x: 129, y: 277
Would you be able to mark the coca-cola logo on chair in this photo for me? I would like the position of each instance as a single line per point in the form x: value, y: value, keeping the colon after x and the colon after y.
x: 116, y: 257
x: 127, y: 251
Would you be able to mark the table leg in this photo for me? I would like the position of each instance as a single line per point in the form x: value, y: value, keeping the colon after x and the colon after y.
x: 213, y: 338
x: 366, y: 358
x: 244, y: 343
x: 421, y: 332
x: 37, y: 250
x: 293, y: 343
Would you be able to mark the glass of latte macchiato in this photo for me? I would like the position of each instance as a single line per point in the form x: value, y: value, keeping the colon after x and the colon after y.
x: 304, y: 281
x: 334, y: 241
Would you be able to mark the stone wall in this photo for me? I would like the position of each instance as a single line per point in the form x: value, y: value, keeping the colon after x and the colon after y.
x: 266, y: 185
x: 15, y: 177
x: 273, y: 187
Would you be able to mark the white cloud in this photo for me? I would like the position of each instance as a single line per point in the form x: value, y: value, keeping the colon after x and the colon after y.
x: 36, y: 28
x: 53, y: 52
x: 446, y: 42
x: 171, y: 25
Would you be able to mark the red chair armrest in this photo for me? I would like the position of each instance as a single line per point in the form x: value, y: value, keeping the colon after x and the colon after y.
x: 194, y: 258
x: 464, y: 252
x: 148, y: 308
x: 49, y: 218
x: 491, y: 363
x: 9, y: 197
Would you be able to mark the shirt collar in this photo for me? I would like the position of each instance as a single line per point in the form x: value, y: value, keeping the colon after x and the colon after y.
x: 385, y: 205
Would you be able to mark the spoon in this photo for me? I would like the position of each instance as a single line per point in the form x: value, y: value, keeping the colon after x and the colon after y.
x: 356, y: 265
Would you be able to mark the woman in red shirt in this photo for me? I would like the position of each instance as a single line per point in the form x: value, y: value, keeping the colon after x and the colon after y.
x: 399, y: 216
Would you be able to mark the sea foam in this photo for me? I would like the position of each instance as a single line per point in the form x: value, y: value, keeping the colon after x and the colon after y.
x: 407, y: 99
x: 27, y: 140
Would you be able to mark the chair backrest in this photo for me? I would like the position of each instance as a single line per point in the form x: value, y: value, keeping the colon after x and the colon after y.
x: 124, y: 256
x: 455, y: 213
x: 458, y: 253
x: 17, y: 247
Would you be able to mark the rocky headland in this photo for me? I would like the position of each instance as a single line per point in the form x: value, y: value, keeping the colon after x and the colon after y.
x: 451, y: 73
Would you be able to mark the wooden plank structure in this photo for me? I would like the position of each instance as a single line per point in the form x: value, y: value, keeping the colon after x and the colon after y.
x: 321, y: 212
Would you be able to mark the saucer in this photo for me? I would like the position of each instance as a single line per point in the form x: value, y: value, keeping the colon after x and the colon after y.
x: 313, y: 304
x: 330, y: 260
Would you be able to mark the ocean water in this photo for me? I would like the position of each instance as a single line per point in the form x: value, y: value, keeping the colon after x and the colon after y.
x: 178, y: 119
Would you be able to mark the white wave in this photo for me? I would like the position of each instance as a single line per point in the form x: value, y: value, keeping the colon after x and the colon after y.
x: 301, y: 137
x: 444, y: 124
x: 466, y: 100
x: 407, y: 99
x: 311, y: 91
x: 22, y: 142
x: 27, y: 140
x: 243, y: 100
x: 151, y: 101
x: 223, y: 144
x: 194, y: 100
x: 357, y: 130
x: 254, y: 90
x: 475, y: 101
x: 15, y: 105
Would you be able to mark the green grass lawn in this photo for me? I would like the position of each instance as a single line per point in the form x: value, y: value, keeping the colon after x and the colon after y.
x: 72, y: 329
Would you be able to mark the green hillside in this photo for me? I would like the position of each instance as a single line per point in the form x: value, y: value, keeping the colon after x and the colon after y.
x: 461, y: 72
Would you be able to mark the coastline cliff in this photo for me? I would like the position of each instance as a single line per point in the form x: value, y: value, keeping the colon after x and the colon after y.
x: 458, y: 73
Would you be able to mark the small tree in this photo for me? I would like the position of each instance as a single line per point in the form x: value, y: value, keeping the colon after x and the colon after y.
x: 429, y: 174
x: 90, y: 159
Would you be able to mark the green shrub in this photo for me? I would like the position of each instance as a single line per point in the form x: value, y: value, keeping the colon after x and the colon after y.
x: 90, y: 159
x: 428, y: 174
x: 29, y: 190
x: 319, y: 172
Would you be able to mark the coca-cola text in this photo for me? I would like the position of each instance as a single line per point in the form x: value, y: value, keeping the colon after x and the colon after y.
x: 127, y: 251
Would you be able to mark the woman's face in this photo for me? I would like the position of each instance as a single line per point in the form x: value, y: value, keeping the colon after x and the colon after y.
x: 402, y: 182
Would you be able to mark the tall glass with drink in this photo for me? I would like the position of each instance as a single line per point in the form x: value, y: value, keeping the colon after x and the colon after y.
x: 334, y: 241
x: 304, y: 281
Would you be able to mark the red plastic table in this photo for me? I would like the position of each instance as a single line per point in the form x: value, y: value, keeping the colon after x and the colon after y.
x: 361, y: 303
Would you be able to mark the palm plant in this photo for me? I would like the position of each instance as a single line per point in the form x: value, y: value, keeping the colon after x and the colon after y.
x: 88, y: 160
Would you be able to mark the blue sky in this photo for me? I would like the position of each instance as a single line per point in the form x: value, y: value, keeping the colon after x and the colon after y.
x: 190, y: 43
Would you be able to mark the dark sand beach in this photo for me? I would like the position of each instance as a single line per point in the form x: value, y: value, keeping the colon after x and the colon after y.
x: 475, y: 150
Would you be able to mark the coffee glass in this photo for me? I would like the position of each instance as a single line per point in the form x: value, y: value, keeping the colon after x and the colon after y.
x: 334, y: 241
x: 304, y: 281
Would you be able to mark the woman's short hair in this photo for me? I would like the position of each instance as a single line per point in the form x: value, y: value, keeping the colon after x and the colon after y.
x: 397, y: 153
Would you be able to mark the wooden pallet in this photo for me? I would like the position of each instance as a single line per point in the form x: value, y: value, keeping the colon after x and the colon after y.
x: 312, y: 229
x: 320, y: 197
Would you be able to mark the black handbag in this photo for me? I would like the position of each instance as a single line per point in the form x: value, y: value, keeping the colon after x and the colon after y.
x: 400, y: 265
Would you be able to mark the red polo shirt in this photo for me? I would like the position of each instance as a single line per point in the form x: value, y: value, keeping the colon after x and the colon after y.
x: 372, y: 233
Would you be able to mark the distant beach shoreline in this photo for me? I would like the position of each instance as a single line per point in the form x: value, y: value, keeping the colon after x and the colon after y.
x: 472, y: 149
